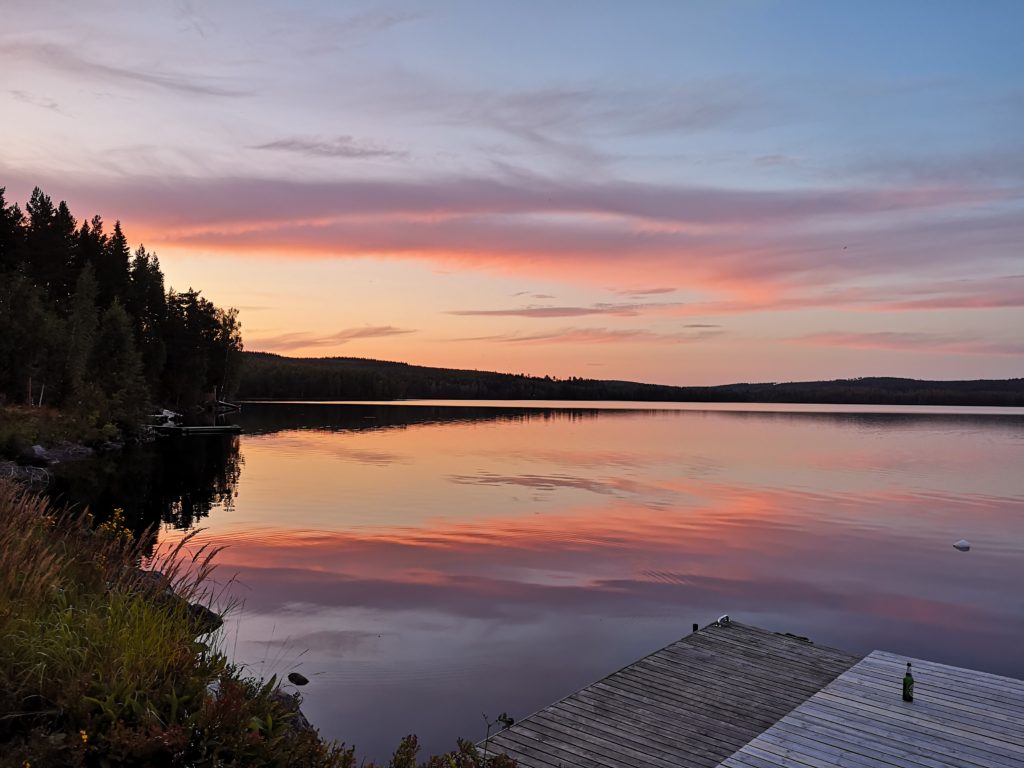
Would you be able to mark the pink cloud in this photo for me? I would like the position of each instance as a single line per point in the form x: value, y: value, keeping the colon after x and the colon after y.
x: 760, y: 250
x: 615, y: 310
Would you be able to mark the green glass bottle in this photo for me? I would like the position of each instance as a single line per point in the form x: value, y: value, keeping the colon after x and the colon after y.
x: 908, y: 685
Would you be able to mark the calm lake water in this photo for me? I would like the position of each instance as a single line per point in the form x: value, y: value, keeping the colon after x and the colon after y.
x: 426, y: 563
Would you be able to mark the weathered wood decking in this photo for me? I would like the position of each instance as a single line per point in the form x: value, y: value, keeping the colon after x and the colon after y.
x: 959, y: 718
x: 689, y: 705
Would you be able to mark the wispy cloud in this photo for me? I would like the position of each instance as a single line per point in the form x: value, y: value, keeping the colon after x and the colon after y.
x: 571, y: 122
x: 190, y: 18
x: 639, y: 293
x: 594, y: 336
x: 755, y: 249
x: 330, y: 35
x: 37, y: 101
x: 342, y: 147
x: 219, y: 203
x: 615, y: 310
x: 914, y: 342
x: 287, y: 342
x: 63, y: 60
x: 766, y: 161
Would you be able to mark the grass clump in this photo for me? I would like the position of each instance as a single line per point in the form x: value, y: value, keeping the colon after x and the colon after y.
x: 101, y: 663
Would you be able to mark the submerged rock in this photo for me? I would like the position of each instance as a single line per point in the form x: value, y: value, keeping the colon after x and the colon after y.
x: 963, y: 545
x: 298, y: 679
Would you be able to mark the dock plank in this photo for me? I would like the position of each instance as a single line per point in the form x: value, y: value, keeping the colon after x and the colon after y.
x: 958, y: 718
x: 689, y: 705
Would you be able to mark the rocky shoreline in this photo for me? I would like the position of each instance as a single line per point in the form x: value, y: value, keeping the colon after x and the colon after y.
x: 33, y: 465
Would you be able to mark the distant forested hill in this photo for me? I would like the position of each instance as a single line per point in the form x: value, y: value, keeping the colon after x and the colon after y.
x: 273, y: 377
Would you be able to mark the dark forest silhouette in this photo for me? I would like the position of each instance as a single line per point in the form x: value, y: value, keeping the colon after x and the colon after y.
x: 89, y: 327
x: 268, y: 376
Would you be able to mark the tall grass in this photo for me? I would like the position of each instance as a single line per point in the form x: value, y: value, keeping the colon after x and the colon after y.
x: 102, y: 663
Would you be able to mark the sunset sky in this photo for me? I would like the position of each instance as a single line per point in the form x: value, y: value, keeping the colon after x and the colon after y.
x: 676, y: 192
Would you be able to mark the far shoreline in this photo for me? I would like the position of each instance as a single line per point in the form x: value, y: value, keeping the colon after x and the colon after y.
x: 658, y: 405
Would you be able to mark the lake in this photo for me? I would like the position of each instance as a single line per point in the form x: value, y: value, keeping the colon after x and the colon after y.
x: 425, y: 564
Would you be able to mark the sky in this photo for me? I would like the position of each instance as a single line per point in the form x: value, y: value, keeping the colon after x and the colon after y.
x: 673, y: 192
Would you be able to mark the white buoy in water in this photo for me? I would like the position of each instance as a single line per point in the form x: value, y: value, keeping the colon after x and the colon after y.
x: 963, y: 545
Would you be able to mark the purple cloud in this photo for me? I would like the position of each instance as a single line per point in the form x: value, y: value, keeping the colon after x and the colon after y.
x: 341, y: 147
x: 62, y: 59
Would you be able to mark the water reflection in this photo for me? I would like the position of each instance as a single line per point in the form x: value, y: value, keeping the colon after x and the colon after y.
x: 176, y: 481
x: 424, y: 564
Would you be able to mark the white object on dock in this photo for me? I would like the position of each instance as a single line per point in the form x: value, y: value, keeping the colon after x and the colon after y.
x: 963, y: 545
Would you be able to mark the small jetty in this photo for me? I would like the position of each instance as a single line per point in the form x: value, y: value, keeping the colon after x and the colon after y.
x: 737, y: 696
x: 167, y: 430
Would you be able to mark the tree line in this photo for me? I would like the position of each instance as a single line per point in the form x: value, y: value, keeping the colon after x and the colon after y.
x: 88, y: 326
x: 273, y: 377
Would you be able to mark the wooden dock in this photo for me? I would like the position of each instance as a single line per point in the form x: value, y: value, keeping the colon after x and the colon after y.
x: 959, y: 717
x: 174, y: 430
x: 737, y: 696
x: 689, y: 705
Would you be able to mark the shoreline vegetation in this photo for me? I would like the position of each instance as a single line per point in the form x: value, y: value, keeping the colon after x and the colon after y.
x: 268, y: 376
x: 92, y: 340
x: 109, y: 658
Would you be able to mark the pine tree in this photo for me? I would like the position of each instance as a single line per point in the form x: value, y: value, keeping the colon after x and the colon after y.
x: 12, y: 223
x: 50, y: 245
x: 30, y: 342
x: 116, y: 367
x: 91, y: 244
x: 148, y: 306
x: 112, y: 268
x: 82, y: 323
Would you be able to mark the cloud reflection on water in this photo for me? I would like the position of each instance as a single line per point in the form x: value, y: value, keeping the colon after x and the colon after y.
x: 433, y: 589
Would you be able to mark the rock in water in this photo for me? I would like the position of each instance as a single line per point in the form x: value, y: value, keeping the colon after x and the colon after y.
x: 204, y: 620
x: 295, y: 677
x: 963, y: 545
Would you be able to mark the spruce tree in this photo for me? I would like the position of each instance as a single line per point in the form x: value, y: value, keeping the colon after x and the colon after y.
x: 50, y: 245
x: 117, y: 370
x: 80, y: 391
x: 12, y: 222
x: 112, y: 268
